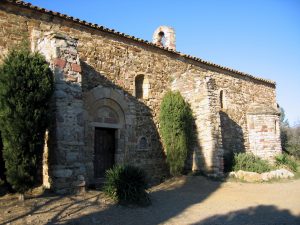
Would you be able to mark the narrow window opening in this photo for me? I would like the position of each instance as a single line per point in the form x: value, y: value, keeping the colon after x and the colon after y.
x: 139, y: 80
x: 142, y: 87
x: 221, y: 99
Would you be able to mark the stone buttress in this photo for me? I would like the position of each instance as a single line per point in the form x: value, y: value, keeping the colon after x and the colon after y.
x: 66, y: 137
x: 199, y: 92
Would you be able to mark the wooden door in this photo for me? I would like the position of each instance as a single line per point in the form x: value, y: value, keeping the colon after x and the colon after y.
x: 104, y: 155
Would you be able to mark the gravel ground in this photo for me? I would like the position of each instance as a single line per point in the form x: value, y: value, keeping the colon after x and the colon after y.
x: 185, y: 200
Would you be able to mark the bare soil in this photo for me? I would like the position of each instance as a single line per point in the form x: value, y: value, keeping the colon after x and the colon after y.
x: 185, y: 200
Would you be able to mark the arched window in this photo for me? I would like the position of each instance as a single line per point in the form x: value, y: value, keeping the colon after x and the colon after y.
x: 141, y: 87
x: 221, y: 99
x: 139, y: 80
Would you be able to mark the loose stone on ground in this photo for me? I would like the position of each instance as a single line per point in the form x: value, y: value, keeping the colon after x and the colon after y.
x: 256, y: 177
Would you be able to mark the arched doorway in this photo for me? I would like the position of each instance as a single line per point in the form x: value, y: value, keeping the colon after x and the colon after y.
x: 105, y: 132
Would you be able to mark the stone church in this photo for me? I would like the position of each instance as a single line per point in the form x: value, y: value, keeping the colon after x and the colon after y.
x: 108, y: 91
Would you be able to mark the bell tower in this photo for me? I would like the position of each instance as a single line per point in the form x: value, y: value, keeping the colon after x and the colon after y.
x: 164, y: 36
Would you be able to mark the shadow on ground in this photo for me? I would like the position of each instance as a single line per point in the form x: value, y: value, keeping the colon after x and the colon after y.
x: 45, y: 209
x: 166, y: 204
x: 168, y: 200
x: 265, y: 214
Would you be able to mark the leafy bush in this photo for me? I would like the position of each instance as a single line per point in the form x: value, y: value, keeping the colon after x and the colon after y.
x: 286, y: 161
x: 26, y: 85
x: 127, y: 184
x: 176, y: 127
x: 290, y: 136
x: 251, y: 163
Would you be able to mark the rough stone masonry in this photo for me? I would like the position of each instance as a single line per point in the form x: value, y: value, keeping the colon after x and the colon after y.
x: 108, y: 90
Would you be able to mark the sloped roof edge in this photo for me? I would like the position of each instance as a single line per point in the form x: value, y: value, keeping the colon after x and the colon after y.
x: 262, y: 109
x: 112, y: 31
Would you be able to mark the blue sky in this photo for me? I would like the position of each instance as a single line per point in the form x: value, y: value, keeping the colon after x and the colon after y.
x: 260, y: 37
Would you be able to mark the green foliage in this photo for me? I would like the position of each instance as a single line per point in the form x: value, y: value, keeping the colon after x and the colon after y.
x: 251, y: 163
x: 284, y: 137
x: 284, y: 128
x: 286, y: 160
x: 127, y: 184
x: 290, y: 136
x: 293, y: 141
x: 283, y: 120
x: 176, y: 128
x: 26, y: 85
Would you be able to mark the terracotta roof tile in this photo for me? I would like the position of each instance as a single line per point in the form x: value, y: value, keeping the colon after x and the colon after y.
x: 112, y: 31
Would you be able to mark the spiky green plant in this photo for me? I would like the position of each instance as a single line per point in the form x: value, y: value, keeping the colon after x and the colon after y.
x: 127, y: 184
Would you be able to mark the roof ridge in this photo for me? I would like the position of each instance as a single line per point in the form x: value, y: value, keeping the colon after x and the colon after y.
x: 112, y: 31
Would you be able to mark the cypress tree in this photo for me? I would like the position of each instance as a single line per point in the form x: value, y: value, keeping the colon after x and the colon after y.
x: 26, y: 86
x: 176, y: 128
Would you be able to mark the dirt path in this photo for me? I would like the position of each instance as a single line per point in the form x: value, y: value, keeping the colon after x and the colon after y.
x: 188, y: 200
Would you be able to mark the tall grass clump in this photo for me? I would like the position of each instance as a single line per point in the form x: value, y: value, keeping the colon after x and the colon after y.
x: 287, y: 161
x: 127, y: 185
x: 250, y: 162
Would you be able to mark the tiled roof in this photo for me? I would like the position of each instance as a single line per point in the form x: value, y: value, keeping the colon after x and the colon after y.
x: 112, y: 31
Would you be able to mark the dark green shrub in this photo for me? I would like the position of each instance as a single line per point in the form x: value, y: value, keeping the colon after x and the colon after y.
x: 26, y: 85
x: 251, y: 163
x: 286, y: 160
x: 176, y: 128
x: 284, y: 138
x: 127, y: 184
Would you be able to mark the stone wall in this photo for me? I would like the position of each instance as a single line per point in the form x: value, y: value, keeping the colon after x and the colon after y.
x: 96, y: 75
